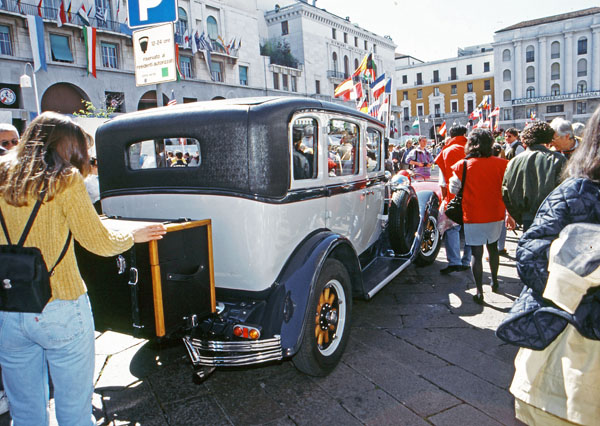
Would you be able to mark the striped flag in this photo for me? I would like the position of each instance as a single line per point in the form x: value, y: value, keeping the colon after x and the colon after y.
x: 172, y: 101
x: 40, y: 8
x: 69, y: 17
x: 36, y: 36
x: 61, y: 16
x: 495, y: 112
x: 357, y: 91
x: 378, y: 86
x: 344, y: 88
x: 442, y: 130
x: 82, y: 13
x: 89, y: 35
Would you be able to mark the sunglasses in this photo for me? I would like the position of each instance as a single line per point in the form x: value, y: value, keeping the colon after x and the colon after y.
x: 7, y: 143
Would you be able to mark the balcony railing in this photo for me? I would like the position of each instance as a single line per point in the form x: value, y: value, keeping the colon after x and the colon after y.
x: 452, y: 78
x: 336, y: 74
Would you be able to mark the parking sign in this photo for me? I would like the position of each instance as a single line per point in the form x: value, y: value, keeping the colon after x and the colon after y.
x: 142, y: 13
x: 154, y: 55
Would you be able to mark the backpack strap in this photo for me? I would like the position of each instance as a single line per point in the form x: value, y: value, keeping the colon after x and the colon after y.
x: 32, y: 216
x: 62, y: 253
x: 4, y: 228
x: 464, y: 176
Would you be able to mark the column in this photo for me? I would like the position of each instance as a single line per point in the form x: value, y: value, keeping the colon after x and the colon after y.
x: 518, y: 70
x: 568, y: 65
x: 594, y: 49
x: 542, y: 68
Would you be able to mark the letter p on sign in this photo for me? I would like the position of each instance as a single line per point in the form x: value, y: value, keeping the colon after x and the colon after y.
x: 142, y: 13
x: 145, y: 5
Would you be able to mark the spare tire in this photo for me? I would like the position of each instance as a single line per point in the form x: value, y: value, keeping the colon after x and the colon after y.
x: 403, y: 221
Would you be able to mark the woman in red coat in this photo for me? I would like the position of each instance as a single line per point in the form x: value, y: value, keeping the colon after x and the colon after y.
x: 483, y: 208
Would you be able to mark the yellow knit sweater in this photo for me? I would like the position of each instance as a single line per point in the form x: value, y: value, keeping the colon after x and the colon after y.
x: 71, y: 209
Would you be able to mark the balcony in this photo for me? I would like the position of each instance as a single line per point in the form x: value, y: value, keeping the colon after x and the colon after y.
x: 418, y: 82
x: 452, y: 78
x: 337, y: 74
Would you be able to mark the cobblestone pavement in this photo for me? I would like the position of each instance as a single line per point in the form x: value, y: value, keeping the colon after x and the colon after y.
x: 421, y: 352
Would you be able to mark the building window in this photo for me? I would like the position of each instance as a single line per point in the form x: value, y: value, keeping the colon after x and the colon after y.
x: 581, y: 87
x: 470, y: 106
x: 581, y: 68
x: 355, y: 41
x: 419, y: 110
x: 469, y: 69
x: 436, y: 91
x: 419, y: 78
x: 374, y: 48
x: 555, y: 50
x: 189, y: 100
x: 555, y: 90
x: 346, y: 67
x: 284, y: 28
x: 335, y: 62
x: 486, y: 67
x: 454, y: 106
x: 61, y: 51
x: 487, y: 85
x: 582, y: 46
x: 294, y: 83
x: 404, y: 79
x: 530, y: 74
x: 366, y: 45
x: 181, y: 26
x: 405, y: 96
x: 102, y: 15
x: 243, y: 75
x: 406, y: 113
x: 284, y: 79
x: 437, y: 110
x: 506, y: 75
x: 555, y: 108
x: 420, y: 94
x: 507, y: 114
x: 469, y: 87
x: 212, y: 27
x: 506, y: 55
x: 346, y: 38
x: 355, y: 63
x: 453, y: 73
x: 507, y: 95
x: 531, y: 112
x: 333, y: 33
x: 5, y: 41
x: 115, y: 100
x: 555, y: 71
x: 276, y: 80
x: 185, y: 63
x: 581, y: 107
x: 530, y: 92
x: 436, y: 76
x: 317, y: 87
x: 453, y: 89
x: 109, y: 55
x: 529, y: 54
x: 217, y: 71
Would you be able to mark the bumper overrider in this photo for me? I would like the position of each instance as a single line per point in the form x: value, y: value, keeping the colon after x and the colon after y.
x: 214, y: 353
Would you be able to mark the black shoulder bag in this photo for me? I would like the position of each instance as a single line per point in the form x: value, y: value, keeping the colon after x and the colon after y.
x: 24, y: 277
x: 454, y: 209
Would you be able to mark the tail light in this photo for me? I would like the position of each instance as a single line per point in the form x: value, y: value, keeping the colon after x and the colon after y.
x: 246, y: 332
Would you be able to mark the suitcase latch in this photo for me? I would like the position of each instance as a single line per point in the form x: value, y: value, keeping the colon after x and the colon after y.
x: 133, y: 276
x: 121, y: 264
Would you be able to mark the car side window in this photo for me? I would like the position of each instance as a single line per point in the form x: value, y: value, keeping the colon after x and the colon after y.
x: 168, y: 152
x: 305, y: 148
x: 342, y: 148
x: 374, y: 149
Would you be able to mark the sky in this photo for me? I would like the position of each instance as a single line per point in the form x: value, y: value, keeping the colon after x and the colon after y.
x: 434, y: 29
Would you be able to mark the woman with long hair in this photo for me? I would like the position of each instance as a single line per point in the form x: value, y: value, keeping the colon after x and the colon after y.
x: 483, y: 208
x: 50, y: 163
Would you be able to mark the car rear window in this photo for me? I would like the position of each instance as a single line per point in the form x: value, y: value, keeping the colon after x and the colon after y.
x: 161, y: 153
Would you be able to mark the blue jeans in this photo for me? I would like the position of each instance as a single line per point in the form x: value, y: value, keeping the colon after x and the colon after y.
x: 452, y: 244
x: 61, y: 338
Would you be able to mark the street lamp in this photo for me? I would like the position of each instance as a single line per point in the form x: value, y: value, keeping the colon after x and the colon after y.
x: 25, y: 81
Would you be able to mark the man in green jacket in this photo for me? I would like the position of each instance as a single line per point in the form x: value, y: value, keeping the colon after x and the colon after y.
x: 531, y: 175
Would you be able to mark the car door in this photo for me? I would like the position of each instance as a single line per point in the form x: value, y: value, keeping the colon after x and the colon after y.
x: 374, y: 192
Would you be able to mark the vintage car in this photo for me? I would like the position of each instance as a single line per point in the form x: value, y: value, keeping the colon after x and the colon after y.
x: 303, y: 220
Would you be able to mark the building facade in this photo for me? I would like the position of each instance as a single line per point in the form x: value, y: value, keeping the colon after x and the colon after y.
x: 548, y: 67
x: 444, y: 90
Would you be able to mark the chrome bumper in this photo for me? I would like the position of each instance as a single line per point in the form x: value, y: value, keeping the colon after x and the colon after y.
x: 219, y: 353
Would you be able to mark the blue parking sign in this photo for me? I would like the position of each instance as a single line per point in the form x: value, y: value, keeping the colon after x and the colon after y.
x: 142, y: 13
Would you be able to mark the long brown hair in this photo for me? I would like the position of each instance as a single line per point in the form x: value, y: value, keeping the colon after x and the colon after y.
x: 51, y: 148
x: 585, y: 161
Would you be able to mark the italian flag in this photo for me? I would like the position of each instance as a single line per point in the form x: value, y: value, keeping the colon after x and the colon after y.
x: 89, y: 35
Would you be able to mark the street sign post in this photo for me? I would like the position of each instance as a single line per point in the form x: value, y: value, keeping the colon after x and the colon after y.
x: 142, y: 13
x: 154, y: 55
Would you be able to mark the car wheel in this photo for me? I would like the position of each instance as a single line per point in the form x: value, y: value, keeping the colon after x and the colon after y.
x: 431, y: 242
x: 403, y: 221
x: 327, y: 321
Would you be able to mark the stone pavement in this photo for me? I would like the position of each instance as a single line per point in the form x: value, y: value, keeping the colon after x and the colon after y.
x: 421, y: 352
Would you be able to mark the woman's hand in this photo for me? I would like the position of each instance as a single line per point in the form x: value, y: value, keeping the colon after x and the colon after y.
x: 149, y: 233
x: 454, y: 185
x: 511, y: 225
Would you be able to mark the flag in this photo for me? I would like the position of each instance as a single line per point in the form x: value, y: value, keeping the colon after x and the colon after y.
x: 364, y: 107
x: 61, y: 16
x: 222, y: 44
x: 195, y: 41
x: 532, y: 115
x: 83, y: 15
x: 442, y: 130
x: 118, y: 9
x: 186, y: 39
x: 416, y: 123
x: 475, y: 114
x: 89, y: 35
x: 384, y: 107
x: 172, y: 101
x: 205, y: 45
x: 100, y: 15
x: 19, y: 8
x: 388, y: 86
x: 36, y: 37
x: 374, y: 108
x: 40, y: 8
x: 357, y: 91
x: 69, y: 16
x: 495, y: 112
x: 378, y: 86
x: 177, y: 66
x: 486, y: 102
x: 344, y: 88
x: 367, y: 68
x: 361, y: 67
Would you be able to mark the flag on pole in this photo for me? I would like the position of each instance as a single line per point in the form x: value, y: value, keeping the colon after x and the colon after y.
x: 357, y: 91
x: 415, y: 123
x: 69, y: 16
x: 205, y: 45
x: 532, y: 115
x: 39, y: 7
x: 383, y: 108
x: 486, y: 102
x: 19, y: 8
x: 36, y: 37
x: 367, y: 68
x: 172, y: 101
x: 442, y: 130
x: 475, y: 114
x: 89, y: 35
x: 83, y: 15
x: 180, y: 75
x: 374, y: 108
x: 344, y: 88
x: 364, y: 107
x: 495, y: 112
x: 61, y: 16
x: 378, y: 86
x: 195, y: 40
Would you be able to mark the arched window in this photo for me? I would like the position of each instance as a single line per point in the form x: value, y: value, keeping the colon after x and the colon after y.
x: 582, y: 46
x: 581, y: 68
x: 530, y: 72
x: 507, y: 95
x: 212, y: 27
x: 506, y: 55
x: 346, y: 67
x: 356, y: 64
x: 181, y: 25
x: 581, y: 87
x: 530, y: 54
x: 555, y: 71
x: 335, y: 61
x: 555, y: 90
x: 506, y: 75
x: 531, y: 92
x: 555, y: 50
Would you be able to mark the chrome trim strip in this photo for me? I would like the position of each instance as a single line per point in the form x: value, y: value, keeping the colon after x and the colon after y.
x: 389, y: 278
x: 233, y: 353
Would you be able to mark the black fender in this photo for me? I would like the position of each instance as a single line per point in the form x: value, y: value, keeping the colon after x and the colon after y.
x: 299, y: 276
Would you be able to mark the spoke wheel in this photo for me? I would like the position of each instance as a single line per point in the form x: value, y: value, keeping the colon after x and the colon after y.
x: 430, y: 243
x: 330, y: 317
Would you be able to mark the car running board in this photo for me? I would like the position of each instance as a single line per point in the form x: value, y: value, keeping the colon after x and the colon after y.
x: 380, y: 272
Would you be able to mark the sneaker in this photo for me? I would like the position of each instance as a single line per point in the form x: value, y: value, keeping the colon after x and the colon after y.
x: 3, y: 402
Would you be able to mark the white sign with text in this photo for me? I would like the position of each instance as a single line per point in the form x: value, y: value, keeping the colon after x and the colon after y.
x: 154, y: 55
